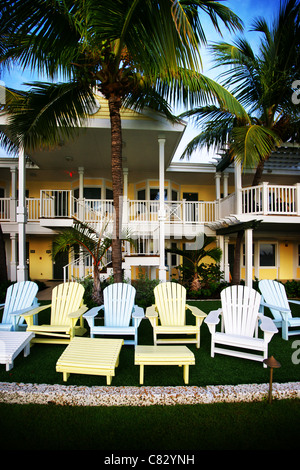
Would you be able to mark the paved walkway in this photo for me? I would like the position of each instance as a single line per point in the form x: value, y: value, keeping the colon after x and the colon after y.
x: 46, y: 294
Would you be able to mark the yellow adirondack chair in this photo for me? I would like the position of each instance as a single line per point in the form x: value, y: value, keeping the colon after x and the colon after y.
x: 170, y: 308
x: 66, y: 309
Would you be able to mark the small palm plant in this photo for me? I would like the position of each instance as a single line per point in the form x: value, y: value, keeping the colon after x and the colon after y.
x: 96, y: 243
x: 195, y: 256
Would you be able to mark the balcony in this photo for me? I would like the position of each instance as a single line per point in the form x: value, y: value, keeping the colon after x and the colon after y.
x: 56, y: 208
x: 59, y: 208
x: 263, y: 200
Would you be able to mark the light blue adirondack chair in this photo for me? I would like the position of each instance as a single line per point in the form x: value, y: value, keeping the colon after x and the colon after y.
x: 274, y: 297
x: 20, y: 298
x: 121, y: 316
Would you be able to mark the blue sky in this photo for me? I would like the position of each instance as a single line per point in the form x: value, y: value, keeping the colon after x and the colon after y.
x: 247, y: 10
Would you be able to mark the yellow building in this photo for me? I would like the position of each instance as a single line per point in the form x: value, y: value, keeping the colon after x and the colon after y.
x: 55, y: 187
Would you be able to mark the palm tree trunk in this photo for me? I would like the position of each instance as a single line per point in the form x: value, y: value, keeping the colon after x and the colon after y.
x: 258, y: 173
x: 115, y: 103
x: 97, y: 294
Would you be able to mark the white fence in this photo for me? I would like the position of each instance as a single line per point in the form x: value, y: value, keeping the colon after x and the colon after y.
x: 263, y: 199
x: 271, y: 199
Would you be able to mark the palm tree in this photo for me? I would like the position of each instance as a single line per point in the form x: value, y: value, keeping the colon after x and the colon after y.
x: 97, y: 247
x: 263, y: 84
x: 95, y: 242
x: 134, y: 52
x: 194, y: 257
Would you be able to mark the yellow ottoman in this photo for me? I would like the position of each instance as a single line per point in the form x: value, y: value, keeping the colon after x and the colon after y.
x: 164, y: 355
x: 95, y: 356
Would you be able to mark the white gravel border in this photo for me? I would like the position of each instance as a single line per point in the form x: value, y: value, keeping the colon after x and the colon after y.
x: 69, y: 395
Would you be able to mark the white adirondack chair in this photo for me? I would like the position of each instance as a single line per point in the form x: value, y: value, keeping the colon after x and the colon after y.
x: 239, y: 327
x: 168, y: 315
x: 121, y: 316
x: 274, y: 297
x: 20, y: 298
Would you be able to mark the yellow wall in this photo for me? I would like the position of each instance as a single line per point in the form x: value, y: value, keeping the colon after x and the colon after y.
x: 205, y: 193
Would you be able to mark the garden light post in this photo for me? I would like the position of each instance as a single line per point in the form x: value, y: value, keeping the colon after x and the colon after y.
x: 272, y: 363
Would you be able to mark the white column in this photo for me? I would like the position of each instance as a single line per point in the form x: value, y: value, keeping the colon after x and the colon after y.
x: 225, y: 184
x: 218, y: 185
x: 226, y: 260
x: 22, y: 219
x: 248, y: 256
x: 80, y: 195
x: 13, y: 260
x: 161, y: 213
x: 238, y: 186
x: 13, y: 197
x: 81, y: 185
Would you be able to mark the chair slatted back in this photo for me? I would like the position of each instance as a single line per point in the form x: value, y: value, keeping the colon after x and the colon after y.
x: 18, y: 296
x: 274, y: 293
x: 66, y: 298
x: 170, y: 300
x: 118, y: 304
x: 240, y: 306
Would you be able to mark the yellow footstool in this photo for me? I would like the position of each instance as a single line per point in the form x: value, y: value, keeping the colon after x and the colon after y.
x: 164, y: 355
x: 91, y: 356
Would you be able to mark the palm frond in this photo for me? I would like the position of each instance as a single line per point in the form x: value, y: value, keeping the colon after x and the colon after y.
x: 45, y: 113
x: 252, y: 144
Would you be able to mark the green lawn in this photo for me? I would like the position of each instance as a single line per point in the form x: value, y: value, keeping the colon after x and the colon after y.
x: 220, y: 426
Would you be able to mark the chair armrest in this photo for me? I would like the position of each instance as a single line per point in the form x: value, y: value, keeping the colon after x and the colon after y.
x: 267, y: 325
x: 294, y: 301
x: 93, y: 312
x: 78, y: 312
x: 275, y: 307
x: 213, y: 317
x: 35, y: 310
x: 152, y: 315
x: 196, y: 311
x: 27, y: 310
x: 151, y: 312
x: 138, y: 312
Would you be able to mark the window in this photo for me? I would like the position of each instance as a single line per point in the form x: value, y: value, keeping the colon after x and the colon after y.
x: 141, y: 195
x: 154, y: 194
x: 267, y: 254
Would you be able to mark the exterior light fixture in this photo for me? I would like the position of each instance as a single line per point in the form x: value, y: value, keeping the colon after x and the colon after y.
x: 273, y: 364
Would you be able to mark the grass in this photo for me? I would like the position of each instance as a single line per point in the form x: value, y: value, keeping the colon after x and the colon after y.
x: 220, y: 426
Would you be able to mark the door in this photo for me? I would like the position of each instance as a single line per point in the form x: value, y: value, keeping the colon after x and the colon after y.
x: 61, y: 260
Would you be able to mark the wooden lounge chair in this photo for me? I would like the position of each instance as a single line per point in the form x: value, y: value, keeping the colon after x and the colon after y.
x: 121, y: 316
x: 168, y: 315
x: 274, y: 297
x: 239, y: 326
x: 20, y: 298
x: 66, y: 309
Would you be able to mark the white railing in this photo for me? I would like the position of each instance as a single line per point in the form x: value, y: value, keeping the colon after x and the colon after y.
x: 175, y: 211
x: 56, y: 203
x: 271, y: 200
x: 33, y: 209
x: 225, y: 206
x: 5, y: 209
x: 264, y: 199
